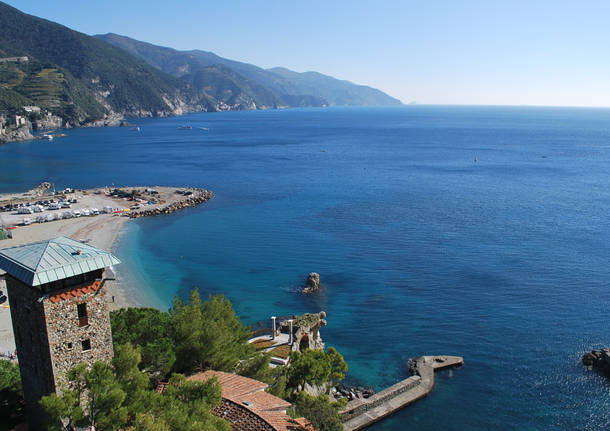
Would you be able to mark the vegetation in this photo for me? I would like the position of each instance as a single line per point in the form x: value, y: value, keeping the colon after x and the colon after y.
x: 11, y: 395
x: 282, y: 351
x: 119, y: 396
x: 320, y: 411
x: 151, y: 331
x: 208, y: 335
x: 151, y: 346
x: 262, y: 344
x: 190, y: 337
x: 316, y: 367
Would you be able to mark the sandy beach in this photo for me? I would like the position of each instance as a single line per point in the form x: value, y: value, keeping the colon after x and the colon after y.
x: 100, y: 231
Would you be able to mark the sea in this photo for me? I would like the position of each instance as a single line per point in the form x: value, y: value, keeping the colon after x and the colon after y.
x: 482, y: 232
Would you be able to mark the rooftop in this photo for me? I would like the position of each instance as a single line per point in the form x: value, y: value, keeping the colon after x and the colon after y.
x: 55, y: 259
x: 250, y: 394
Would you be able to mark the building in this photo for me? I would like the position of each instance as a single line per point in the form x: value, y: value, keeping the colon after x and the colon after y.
x: 59, y: 312
x: 30, y: 109
x: 19, y: 121
x: 247, y: 406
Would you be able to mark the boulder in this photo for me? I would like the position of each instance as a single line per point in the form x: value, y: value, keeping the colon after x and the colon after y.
x: 313, y: 283
x: 598, y: 359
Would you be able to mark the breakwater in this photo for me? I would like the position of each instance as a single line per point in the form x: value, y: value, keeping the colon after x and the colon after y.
x: 360, y: 413
x: 197, y: 196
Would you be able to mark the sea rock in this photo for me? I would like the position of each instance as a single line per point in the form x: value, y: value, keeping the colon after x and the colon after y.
x: 598, y: 359
x: 313, y: 283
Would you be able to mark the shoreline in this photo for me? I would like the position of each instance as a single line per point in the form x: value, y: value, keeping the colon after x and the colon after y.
x: 103, y: 231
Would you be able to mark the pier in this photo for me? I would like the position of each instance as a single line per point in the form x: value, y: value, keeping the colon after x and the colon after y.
x: 360, y: 413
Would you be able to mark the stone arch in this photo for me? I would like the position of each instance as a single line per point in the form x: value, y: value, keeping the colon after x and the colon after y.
x: 304, y: 343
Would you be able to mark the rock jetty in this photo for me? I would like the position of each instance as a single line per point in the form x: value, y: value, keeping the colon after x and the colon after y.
x: 196, y: 197
x: 313, y: 283
x: 598, y: 359
x: 361, y: 412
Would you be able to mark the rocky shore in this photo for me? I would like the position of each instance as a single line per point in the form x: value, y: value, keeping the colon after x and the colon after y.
x: 197, y: 196
x: 598, y: 359
x: 352, y: 392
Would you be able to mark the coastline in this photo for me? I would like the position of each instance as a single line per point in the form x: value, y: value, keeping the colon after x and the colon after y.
x: 103, y: 231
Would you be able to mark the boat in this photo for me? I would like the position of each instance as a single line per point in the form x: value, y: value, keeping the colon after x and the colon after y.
x: 185, y: 127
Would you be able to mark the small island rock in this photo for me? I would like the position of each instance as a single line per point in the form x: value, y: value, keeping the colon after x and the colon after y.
x: 313, y: 283
x: 598, y: 359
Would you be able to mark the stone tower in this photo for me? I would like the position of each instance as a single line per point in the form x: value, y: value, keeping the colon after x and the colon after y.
x: 59, y: 312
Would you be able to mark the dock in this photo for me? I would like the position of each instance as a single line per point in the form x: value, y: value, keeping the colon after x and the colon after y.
x: 360, y: 413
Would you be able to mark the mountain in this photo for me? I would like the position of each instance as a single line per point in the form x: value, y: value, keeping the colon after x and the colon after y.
x: 284, y: 83
x: 52, y: 76
x: 80, y: 77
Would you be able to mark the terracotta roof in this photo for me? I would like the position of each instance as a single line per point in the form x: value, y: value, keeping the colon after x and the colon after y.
x: 77, y: 291
x: 249, y: 394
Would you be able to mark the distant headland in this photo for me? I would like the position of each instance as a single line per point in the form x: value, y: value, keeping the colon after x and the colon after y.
x: 54, y: 77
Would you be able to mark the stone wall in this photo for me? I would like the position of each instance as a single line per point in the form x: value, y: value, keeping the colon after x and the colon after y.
x: 67, y: 333
x: 240, y: 418
x: 31, y: 341
x: 358, y: 407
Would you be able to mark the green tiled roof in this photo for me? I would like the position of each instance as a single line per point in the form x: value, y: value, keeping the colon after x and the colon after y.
x: 46, y: 261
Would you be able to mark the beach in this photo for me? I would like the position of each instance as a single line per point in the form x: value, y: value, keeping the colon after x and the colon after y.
x: 100, y: 231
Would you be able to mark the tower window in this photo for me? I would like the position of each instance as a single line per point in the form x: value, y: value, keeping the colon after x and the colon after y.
x: 69, y: 345
x: 86, y: 344
x: 82, y: 314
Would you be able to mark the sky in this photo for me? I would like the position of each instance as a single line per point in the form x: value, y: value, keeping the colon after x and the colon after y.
x: 486, y: 52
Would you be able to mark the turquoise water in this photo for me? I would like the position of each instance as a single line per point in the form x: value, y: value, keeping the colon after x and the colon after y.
x: 422, y: 250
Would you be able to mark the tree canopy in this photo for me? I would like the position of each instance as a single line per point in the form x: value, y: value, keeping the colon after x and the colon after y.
x: 152, y: 331
x: 320, y: 411
x: 208, y: 335
x: 316, y: 367
x: 119, y: 396
x: 11, y: 395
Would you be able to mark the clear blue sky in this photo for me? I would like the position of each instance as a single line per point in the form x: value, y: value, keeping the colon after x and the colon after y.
x: 463, y: 52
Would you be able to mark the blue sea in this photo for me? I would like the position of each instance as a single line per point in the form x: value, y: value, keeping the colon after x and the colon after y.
x: 482, y: 232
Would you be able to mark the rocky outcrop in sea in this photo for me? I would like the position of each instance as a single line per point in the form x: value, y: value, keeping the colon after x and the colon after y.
x: 313, y: 283
x: 598, y: 359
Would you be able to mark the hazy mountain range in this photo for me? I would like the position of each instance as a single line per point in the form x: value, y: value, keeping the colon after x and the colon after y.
x: 78, y: 79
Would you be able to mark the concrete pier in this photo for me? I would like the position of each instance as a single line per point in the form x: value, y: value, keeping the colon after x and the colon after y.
x: 361, y: 413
